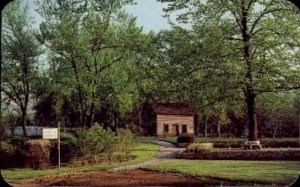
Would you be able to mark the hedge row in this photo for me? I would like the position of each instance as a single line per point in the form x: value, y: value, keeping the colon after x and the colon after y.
x: 264, y: 143
x: 239, y: 154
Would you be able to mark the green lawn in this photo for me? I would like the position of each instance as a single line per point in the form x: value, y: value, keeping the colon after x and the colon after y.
x: 278, y: 172
x: 143, y: 151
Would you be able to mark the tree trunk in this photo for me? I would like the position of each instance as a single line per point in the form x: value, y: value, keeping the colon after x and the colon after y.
x: 140, y: 120
x: 219, y: 128
x: 205, y: 126
x: 23, y: 121
x: 115, y: 122
x: 91, y: 116
x: 248, y: 90
x: 275, y: 128
x: 252, y: 117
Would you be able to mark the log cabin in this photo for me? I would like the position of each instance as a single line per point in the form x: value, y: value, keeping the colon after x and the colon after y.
x: 167, y: 119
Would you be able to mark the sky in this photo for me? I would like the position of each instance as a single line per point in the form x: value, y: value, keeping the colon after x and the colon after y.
x: 149, y: 14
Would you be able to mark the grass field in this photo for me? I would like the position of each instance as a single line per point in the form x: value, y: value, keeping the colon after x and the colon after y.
x: 144, y: 150
x: 271, y: 172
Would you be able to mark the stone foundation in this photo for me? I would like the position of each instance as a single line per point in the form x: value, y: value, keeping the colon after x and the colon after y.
x: 252, y: 145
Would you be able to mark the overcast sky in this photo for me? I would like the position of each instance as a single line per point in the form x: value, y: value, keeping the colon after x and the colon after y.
x: 148, y: 12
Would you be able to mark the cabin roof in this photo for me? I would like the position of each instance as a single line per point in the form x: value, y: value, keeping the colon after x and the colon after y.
x: 173, y: 108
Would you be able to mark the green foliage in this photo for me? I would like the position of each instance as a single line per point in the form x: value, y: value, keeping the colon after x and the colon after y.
x: 240, y: 49
x: 68, y: 148
x: 7, y: 148
x: 97, y: 141
x: 92, y: 48
x: 125, y: 143
x: 69, y: 137
x: 279, y: 111
x: 20, y: 55
x: 185, y: 138
x: 92, y: 141
x: 110, y: 146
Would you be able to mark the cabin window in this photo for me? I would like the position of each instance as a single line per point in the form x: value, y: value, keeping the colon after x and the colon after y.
x: 184, y: 129
x: 166, y: 128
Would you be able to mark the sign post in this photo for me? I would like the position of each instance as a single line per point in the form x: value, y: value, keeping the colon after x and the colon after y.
x: 53, y: 133
x: 58, y: 145
x: 50, y: 133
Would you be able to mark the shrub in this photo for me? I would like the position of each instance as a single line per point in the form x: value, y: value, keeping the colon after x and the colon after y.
x: 186, y: 138
x: 98, y: 141
x: 109, y: 144
x: 239, y: 154
x: 7, y: 152
x: 124, y: 143
x: 36, y: 153
x: 7, y: 148
x: 95, y: 141
x: 68, y: 148
x: 200, y: 148
x: 12, y: 153
x: 18, y: 141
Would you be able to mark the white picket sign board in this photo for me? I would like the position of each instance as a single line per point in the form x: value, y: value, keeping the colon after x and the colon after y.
x: 50, y: 133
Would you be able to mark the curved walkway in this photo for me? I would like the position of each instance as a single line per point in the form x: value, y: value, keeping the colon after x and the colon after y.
x: 168, y: 151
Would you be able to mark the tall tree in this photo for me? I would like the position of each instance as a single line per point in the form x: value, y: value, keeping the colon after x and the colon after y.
x: 87, y: 40
x: 256, y: 40
x: 20, y: 54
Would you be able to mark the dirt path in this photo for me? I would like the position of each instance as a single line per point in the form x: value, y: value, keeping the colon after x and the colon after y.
x: 167, y: 151
x: 112, y: 178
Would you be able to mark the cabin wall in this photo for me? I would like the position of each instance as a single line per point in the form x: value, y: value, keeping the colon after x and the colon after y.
x: 172, y: 121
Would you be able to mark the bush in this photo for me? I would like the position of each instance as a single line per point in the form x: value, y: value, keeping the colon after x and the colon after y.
x: 95, y: 141
x: 36, y: 153
x: 110, y: 146
x: 12, y: 152
x: 98, y: 141
x: 239, y: 154
x: 196, y: 148
x: 68, y: 148
x: 186, y: 138
x: 7, y: 148
x: 7, y: 153
x: 124, y: 143
x: 280, y: 143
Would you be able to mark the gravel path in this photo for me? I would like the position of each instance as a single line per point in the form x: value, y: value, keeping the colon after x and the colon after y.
x: 168, y: 151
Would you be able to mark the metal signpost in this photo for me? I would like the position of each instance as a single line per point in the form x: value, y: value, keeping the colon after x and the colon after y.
x: 58, y: 145
x: 50, y: 133
x: 53, y: 133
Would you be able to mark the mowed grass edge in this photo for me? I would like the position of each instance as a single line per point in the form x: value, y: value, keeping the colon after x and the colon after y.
x: 271, y: 172
x: 144, y: 150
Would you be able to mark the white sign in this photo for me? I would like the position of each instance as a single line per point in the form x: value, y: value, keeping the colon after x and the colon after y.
x: 50, y: 133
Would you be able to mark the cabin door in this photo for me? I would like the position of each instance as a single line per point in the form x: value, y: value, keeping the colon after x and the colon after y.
x: 175, y: 130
